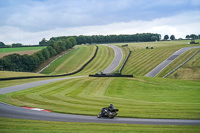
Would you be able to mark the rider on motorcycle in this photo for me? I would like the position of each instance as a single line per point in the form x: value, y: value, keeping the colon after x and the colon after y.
x: 109, y: 108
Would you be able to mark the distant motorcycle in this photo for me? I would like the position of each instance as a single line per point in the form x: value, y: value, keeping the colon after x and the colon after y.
x: 106, y: 113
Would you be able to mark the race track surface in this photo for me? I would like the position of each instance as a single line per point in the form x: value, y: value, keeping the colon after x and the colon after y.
x: 165, y: 63
x: 9, y: 111
x: 117, y: 60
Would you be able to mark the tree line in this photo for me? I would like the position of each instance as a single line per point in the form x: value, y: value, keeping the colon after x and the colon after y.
x: 144, y: 37
x: 172, y: 37
x: 192, y: 36
x: 29, y: 63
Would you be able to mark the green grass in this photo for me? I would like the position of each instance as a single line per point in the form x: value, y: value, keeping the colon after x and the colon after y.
x: 142, y: 97
x: 8, y: 74
x: 189, y: 71
x: 103, y: 59
x: 180, y: 60
x: 18, y: 49
x: 144, y: 60
x: 125, y: 51
x: 8, y: 125
x: 71, y: 61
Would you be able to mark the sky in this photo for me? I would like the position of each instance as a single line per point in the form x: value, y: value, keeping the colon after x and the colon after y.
x: 29, y: 21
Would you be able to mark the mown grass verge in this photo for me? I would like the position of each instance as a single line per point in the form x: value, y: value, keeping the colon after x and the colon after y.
x: 177, y: 62
x: 8, y: 125
x: 143, y: 60
x: 142, y: 97
x: 103, y: 59
x: 189, y: 71
x: 8, y: 74
x: 72, y: 61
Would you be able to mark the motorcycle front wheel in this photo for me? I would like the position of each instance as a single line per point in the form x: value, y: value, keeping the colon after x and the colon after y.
x: 99, y: 115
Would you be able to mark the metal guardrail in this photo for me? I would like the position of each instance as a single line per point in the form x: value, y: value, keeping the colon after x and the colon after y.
x: 125, y: 61
x: 181, y: 64
x: 27, y: 77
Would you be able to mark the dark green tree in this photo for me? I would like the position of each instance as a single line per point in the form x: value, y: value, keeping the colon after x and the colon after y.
x: 2, y: 44
x: 45, y: 53
x: 187, y: 36
x: 43, y: 42
x: 16, y: 45
x: 172, y: 37
x: 166, y: 37
x: 154, y: 38
x: 40, y: 56
x: 193, y: 36
x: 51, y: 50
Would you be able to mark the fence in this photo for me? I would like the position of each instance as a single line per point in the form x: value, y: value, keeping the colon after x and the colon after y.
x: 181, y: 64
x: 13, y: 78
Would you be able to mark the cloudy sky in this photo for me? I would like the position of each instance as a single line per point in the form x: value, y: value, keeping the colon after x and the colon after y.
x: 28, y: 21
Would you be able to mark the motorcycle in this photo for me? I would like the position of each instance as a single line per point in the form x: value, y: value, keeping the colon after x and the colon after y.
x: 106, y: 113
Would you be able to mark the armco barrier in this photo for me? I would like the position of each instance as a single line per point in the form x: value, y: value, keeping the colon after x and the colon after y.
x: 13, y: 78
x: 181, y: 64
x: 110, y: 75
x: 125, y: 62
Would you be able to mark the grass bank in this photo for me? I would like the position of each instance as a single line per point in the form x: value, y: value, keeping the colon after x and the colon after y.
x: 72, y: 61
x: 189, y: 71
x: 142, y: 97
x: 25, y: 126
x: 103, y: 59
x: 143, y: 60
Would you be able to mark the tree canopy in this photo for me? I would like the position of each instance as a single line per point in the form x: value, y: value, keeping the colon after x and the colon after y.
x: 143, y: 37
x: 166, y: 37
x: 28, y: 63
x: 172, y: 37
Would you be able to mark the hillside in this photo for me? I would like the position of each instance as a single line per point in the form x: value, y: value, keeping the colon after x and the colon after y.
x: 143, y: 97
x: 143, y: 60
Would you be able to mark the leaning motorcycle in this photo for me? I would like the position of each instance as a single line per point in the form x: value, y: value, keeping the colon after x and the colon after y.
x: 106, y: 113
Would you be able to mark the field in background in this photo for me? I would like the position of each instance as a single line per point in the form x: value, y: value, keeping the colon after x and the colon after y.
x: 8, y: 125
x: 19, y: 50
x: 143, y: 97
x: 143, y: 60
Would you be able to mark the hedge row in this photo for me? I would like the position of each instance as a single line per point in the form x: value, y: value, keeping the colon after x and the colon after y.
x: 29, y: 63
x: 13, y: 78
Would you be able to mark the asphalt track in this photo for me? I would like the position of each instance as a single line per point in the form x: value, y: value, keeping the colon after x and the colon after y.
x: 117, y: 60
x: 165, y: 63
x: 10, y: 111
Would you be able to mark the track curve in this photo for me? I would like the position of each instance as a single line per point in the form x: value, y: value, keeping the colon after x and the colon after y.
x: 165, y: 63
x: 10, y: 111
x: 117, y: 60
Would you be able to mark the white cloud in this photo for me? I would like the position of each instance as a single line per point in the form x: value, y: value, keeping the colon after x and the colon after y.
x: 179, y: 25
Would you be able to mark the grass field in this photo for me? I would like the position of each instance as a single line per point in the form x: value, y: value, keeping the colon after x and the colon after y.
x: 34, y: 126
x: 180, y: 60
x: 189, y: 71
x: 103, y: 59
x: 72, y: 61
x: 6, y: 74
x: 18, y: 49
x: 143, y: 60
x: 142, y: 97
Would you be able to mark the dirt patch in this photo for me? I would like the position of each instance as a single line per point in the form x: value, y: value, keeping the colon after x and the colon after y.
x: 30, y: 52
